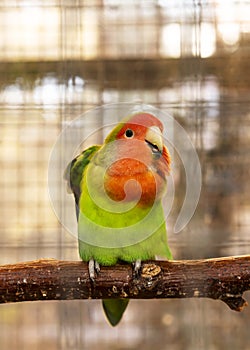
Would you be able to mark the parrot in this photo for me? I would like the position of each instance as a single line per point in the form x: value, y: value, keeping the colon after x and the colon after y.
x: 118, y: 189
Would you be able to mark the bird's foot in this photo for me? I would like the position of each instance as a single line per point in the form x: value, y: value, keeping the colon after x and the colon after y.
x: 137, y: 266
x: 93, y: 267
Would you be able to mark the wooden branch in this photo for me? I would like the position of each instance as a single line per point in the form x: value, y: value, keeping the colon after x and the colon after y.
x: 223, y: 278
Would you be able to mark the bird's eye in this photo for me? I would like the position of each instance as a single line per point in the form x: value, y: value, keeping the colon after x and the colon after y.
x: 129, y: 133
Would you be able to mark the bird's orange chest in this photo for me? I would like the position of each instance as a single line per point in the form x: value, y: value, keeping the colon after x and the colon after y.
x: 132, y: 180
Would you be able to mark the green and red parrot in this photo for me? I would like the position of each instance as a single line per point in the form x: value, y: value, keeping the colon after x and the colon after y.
x: 118, y: 189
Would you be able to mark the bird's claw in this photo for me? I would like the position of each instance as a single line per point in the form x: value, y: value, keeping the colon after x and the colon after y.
x: 93, y: 267
x: 97, y: 267
x: 137, y: 266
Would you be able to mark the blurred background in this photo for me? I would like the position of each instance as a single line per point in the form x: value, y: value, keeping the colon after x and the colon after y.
x: 60, y: 58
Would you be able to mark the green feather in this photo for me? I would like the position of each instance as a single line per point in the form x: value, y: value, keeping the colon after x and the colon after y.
x: 75, y: 171
x: 114, y: 309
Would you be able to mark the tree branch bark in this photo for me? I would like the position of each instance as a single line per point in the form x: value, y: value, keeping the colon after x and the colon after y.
x: 225, y: 279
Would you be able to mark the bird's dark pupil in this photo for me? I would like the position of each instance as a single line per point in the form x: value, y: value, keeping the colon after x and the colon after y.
x: 129, y: 133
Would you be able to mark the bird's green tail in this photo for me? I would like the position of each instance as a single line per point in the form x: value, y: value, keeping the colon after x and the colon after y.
x: 114, y: 309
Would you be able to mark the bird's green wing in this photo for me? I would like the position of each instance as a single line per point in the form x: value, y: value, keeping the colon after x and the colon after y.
x: 75, y: 170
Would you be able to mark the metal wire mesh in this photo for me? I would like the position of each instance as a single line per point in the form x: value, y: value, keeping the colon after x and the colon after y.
x: 61, y: 58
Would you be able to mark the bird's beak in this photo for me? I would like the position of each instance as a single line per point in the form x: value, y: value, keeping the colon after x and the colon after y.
x: 154, y: 138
